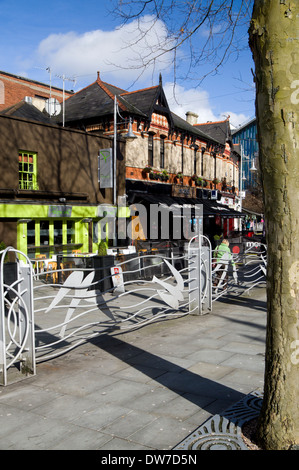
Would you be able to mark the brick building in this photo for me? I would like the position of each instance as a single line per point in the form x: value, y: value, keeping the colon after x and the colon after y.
x: 165, y: 142
x: 170, y: 160
x: 14, y: 89
x: 49, y: 190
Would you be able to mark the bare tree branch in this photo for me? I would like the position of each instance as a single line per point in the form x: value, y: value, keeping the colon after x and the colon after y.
x: 198, y: 32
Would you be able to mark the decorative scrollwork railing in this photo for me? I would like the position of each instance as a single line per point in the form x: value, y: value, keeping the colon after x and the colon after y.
x: 76, y: 310
x: 239, y: 273
x: 47, y: 313
x: 17, y: 355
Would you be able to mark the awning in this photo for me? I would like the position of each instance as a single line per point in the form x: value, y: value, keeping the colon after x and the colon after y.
x: 167, y: 201
x: 247, y: 211
x: 216, y: 209
x: 210, y: 208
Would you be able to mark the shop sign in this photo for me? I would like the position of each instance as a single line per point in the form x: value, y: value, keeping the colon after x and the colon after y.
x: 117, y: 278
x: 60, y: 211
x: 183, y: 191
x: 105, y: 173
x: 106, y: 210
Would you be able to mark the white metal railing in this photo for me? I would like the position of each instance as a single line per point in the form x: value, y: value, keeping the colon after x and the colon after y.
x: 17, y: 352
x: 240, y: 273
x: 80, y: 311
x: 47, y: 313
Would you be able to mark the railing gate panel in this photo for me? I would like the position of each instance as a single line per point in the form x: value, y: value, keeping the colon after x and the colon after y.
x: 17, y: 349
x: 200, y: 280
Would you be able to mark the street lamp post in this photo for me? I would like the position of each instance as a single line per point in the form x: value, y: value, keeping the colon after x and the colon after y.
x: 114, y: 149
x: 241, y: 184
x: 128, y: 136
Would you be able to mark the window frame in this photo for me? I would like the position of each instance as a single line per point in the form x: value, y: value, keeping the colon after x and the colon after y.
x: 30, y: 182
x: 162, y: 152
x: 150, y: 149
x: 182, y: 153
x: 46, y: 234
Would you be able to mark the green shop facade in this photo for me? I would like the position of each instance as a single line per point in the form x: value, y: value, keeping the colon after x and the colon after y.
x: 51, y: 201
x: 53, y: 229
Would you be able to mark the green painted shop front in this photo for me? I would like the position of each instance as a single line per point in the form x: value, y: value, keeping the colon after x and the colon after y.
x: 53, y: 229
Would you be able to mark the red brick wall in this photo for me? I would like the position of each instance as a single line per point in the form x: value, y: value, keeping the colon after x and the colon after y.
x: 14, y: 89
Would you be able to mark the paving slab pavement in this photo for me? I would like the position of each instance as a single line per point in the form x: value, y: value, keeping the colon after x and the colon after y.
x: 146, y: 389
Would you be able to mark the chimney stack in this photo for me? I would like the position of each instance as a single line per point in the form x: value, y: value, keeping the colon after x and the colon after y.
x: 191, y: 118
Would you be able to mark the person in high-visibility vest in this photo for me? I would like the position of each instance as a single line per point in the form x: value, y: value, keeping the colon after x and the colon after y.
x: 222, y: 258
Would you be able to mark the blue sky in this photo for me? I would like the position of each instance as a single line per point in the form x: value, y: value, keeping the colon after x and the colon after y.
x: 76, y: 40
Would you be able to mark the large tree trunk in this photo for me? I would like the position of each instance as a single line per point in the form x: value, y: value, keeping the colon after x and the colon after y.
x: 274, y: 41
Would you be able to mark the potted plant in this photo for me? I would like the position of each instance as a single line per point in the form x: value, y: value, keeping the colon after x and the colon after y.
x: 102, y: 249
x: 199, y: 181
x: 179, y: 176
x: 192, y: 178
x: 164, y: 176
x: 215, y: 181
x: 147, y: 169
x: 224, y: 184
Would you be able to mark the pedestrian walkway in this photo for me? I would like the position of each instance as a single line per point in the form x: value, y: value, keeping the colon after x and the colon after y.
x: 147, y: 389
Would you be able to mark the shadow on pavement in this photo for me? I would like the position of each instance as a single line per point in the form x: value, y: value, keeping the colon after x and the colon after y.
x: 199, y: 390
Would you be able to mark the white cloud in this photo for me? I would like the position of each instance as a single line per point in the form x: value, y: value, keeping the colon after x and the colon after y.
x: 117, y: 55
x: 236, y: 119
x: 181, y: 101
x: 197, y: 101
x: 110, y: 52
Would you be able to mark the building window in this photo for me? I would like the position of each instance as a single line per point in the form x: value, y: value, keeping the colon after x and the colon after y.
x: 58, y: 237
x: 70, y: 232
x: 31, y: 233
x: 44, y: 236
x: 182, y: 154
x: 194, y: 161
x: 215, y: 165
x: 202, y: 152
x: 151, y: 149
x: 162, y: 154
x: 48, y: 236
x: 27, y: 170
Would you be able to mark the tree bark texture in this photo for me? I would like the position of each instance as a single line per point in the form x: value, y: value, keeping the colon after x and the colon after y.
x: 274, y: 41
